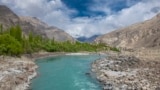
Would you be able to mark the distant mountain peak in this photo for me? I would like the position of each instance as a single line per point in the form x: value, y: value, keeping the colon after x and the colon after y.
x: 87, y: 39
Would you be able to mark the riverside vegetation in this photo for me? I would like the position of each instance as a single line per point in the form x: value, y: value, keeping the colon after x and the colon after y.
x: 14, y: 43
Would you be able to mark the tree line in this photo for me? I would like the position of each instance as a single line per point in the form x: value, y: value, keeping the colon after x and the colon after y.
x: 14, y: 43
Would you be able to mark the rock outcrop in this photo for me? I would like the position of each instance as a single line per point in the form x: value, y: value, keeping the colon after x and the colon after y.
x: 140, y: 35
x: 32, y: 24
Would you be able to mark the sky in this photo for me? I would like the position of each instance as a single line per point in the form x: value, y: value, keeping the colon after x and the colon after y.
x: 86, y: 17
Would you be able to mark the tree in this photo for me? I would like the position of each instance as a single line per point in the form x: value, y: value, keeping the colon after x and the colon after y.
x: 30, y: 37
x: 9, y: 45
x: 1, y: 28
x: 16, y: 32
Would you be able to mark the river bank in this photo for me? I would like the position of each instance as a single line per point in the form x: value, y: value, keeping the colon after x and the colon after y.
x: 114, y: 72
x: 123, y: 72
x: 16, y: 73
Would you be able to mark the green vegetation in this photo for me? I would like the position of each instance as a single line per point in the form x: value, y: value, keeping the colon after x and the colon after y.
x: 9, y: 45
x: 14, y: 43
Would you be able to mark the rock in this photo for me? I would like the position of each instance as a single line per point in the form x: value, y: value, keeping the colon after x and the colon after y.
x: 157, y: 88
x: 87, y: 73
x: 127, y: 73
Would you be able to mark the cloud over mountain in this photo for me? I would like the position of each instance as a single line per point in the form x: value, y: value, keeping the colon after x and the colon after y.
x: 96, y: 17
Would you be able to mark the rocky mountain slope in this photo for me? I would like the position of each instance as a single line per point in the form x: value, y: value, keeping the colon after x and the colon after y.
x: 140, y: 35
x: 32, y: 24
x: 50, y: 32
x: 7, y: 17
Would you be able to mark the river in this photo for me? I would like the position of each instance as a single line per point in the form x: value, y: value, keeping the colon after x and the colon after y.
x: 66, y: 72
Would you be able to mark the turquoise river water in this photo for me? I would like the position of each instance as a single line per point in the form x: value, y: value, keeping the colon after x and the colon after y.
x: 67, y: 72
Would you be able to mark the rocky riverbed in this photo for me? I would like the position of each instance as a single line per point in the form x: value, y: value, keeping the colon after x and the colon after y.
x: 16, y: 73
x: 127, y: 73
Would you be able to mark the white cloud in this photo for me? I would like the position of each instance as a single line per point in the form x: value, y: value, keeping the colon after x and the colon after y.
x: 56, y: 13
x: 136, y: 13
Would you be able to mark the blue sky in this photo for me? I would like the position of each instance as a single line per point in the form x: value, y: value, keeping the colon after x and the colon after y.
x: 83, y: 6
x: 86, y: 17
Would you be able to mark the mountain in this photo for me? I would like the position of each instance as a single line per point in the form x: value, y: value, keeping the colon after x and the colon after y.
x: 7, y: 17
x: 141, y: 35
x: 32, y: 24
x: 89, y: 39
x: 50, y: 32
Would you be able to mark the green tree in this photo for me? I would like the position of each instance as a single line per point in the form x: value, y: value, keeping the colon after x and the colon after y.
x: 30, y: 37
x: 9, y: 45
x: 16, y: 32
x: 1, y: 28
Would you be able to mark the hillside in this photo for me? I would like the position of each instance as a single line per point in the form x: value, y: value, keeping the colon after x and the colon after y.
x: 48, y: 31
x: 141, y: 35
x: 31, y: 24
